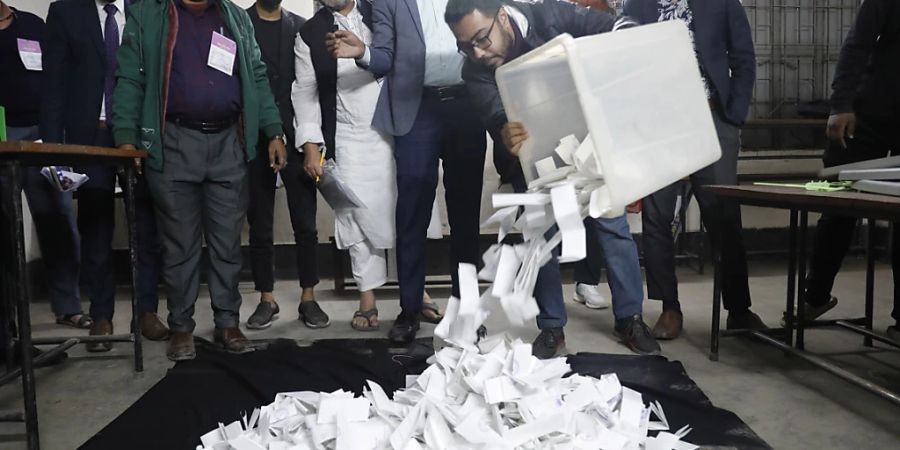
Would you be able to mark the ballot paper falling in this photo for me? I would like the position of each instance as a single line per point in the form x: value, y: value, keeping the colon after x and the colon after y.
x: 498, y: 397
x: 483, y: 391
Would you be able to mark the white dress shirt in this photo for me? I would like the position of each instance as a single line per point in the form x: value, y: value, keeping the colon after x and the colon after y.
x: 443, y: 63
x: 120, y: 20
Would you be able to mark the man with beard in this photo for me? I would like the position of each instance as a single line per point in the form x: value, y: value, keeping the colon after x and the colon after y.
x: 426, y: 107
x: 275, y: 31
x: 491, y: 33
x: 335, y: 100
x: 192, y: 91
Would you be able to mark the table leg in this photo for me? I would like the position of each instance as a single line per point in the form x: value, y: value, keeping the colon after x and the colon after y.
x: 801, y: 277
x: 870, y: 279
x: 791, y: 282
x: 130, y: 183
x: 717, y: 307
x: 23, y: 304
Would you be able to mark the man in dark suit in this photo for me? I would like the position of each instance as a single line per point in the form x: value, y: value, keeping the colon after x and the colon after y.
x: 426, y: 107
x: 79, y: 62
x: 276, y: 29
x: 724, y: 48
x: 865, y: 106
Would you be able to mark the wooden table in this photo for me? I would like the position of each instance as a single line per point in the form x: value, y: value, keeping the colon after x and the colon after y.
x: 13, y: 156
x: 800, y: 203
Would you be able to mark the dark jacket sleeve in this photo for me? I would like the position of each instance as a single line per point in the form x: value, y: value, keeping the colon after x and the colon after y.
x: 741, y: 61
x: 55, y: 53
x: 485, y: 96
x: 130, y: 85
x: 577, y: 20
x: 855, y: 54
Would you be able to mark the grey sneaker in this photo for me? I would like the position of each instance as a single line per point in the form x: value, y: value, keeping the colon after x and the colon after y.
x: 265, y: 314
x: 312, y: 315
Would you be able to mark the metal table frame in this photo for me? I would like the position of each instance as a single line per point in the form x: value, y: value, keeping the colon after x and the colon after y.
x: 14, y: 156
x: 800, y: 203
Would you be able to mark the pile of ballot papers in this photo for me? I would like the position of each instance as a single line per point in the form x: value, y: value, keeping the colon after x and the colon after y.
x: 497, y: 396
x: 484, y: 391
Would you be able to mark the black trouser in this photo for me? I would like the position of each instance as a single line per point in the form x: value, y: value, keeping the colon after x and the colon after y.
x: 301, y: 199
x: 96, y: 223
x: 721, y: 218
x: 872, y: 139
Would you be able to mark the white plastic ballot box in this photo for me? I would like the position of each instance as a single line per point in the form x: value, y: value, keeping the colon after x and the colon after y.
x: 639, y: 94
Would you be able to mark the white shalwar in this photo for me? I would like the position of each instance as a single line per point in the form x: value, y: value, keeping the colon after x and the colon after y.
x: 364, y: 155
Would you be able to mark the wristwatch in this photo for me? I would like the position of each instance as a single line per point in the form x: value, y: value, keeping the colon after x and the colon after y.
x: 278, y: 136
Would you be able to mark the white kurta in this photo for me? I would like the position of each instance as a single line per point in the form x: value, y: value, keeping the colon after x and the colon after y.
x: 363, y: 155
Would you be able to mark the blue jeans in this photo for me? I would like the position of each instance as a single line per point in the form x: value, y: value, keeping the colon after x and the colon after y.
x: 57, y: 234
x: 612, y: 237
x: 623, y: 268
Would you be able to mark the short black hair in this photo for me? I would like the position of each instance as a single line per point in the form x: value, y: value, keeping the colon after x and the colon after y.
x: 457, y: 9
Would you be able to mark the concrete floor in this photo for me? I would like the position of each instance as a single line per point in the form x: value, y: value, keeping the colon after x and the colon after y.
x: 786, y: 401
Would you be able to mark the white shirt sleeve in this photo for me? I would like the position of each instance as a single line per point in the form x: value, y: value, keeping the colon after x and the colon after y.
x: 305, y: 98
x: 363, y: 61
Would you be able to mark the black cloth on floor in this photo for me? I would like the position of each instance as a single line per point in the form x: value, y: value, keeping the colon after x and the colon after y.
x: 217, y: 387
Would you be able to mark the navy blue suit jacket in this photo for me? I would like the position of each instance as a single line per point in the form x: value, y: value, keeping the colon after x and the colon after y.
x: 725, y: 46
x: 74, y: 60
x: 398, y: 54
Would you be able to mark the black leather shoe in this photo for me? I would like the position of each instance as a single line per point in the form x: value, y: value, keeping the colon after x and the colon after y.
x: 549, y: 344
x: 404, y: 329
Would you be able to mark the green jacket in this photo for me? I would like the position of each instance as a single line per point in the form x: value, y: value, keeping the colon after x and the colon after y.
x: 146, y: 54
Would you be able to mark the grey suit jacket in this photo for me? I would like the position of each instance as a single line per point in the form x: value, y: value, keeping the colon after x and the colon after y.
x: 398, y: 54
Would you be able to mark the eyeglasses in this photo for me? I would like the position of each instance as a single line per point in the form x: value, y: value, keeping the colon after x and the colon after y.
x: 483, y: 42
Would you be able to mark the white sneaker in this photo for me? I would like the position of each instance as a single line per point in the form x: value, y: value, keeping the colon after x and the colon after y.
x: 590, y: 296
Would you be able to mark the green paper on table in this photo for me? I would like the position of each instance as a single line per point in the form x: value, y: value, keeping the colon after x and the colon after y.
x: 2, y: 124
x: 817, y: 186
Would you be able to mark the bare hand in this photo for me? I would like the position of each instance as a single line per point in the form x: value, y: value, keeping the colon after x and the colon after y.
x: 840, y: 126
x: 138, y: 163
x: 277, y: 155
x: 514, y: 135
x: 635, y: 208
x: 312, y: 159
x: 344, y: 44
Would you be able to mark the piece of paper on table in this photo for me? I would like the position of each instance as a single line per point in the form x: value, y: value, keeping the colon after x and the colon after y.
x: 63, y: 179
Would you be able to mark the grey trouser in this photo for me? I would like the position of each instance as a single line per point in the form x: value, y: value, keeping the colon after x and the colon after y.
x: 202, y: 184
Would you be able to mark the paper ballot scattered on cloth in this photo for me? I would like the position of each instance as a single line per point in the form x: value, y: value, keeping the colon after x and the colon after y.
x: 335, y: 190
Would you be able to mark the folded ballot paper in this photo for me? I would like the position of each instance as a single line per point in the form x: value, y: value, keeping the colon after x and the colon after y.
x: 335, y: 190
x: 498, y: 396
x: 482, y: 391
x: 63, y: 178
